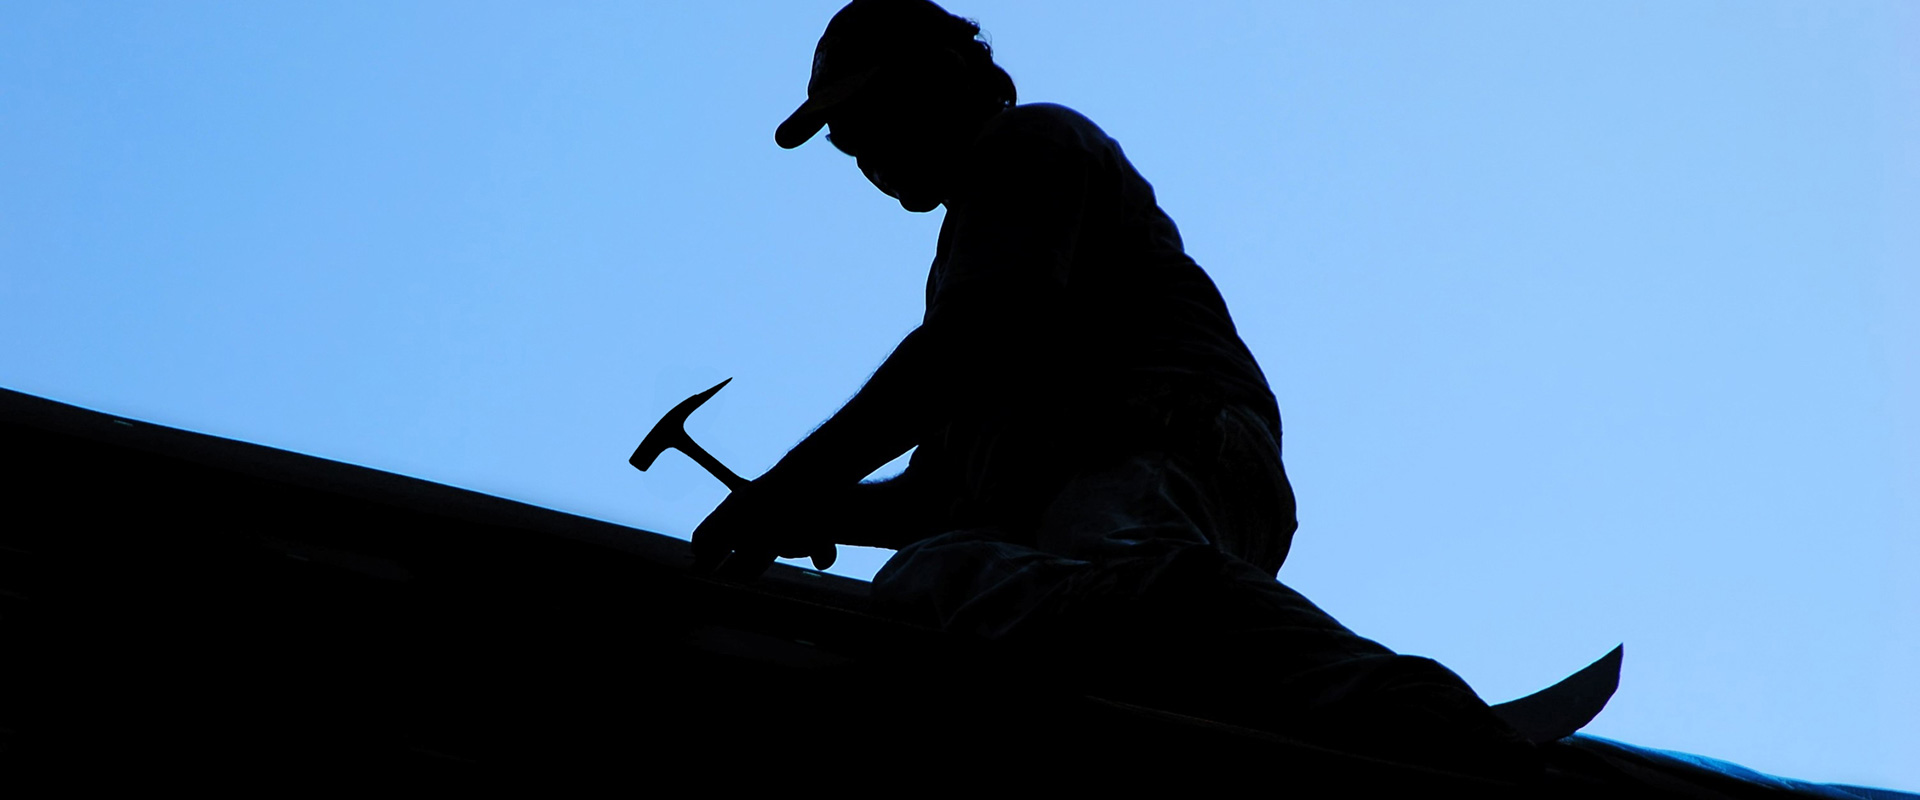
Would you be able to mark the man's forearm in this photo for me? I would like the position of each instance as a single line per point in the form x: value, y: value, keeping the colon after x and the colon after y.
x: 883, y: 420
x: 987, y: 353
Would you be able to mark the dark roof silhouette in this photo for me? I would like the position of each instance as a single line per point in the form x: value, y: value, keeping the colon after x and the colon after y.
x: 208, y: 607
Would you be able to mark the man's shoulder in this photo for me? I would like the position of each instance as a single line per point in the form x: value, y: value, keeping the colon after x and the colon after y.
x: 1044, y: 117
x: 1044, y: 124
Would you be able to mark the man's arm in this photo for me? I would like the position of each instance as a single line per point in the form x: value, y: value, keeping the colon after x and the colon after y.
x: 992, y: 334
x: 813, y: 497
x: 883, y: 420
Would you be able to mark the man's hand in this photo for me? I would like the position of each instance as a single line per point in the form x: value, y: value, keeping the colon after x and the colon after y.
x: 772, y: 518
x: 759, y: 522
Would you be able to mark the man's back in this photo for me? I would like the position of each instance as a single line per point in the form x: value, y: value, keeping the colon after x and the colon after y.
x: 1053, y: 200
x: 1137, y: 348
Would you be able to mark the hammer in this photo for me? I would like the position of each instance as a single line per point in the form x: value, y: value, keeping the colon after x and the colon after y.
x: 671, y: 432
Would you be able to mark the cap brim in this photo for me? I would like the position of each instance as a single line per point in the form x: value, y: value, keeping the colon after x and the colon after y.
x: 802, y: 125
x: 811, y: 116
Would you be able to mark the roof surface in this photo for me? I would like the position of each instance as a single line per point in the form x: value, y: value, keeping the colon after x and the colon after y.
x: 207, y: 607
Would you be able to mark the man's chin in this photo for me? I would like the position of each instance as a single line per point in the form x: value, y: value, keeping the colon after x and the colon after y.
x: 919, y: 205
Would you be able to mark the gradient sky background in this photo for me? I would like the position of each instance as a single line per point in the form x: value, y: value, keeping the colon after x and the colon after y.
x: 1590, y: 322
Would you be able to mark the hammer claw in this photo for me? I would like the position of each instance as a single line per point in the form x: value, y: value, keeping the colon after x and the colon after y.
x: 671, y: 432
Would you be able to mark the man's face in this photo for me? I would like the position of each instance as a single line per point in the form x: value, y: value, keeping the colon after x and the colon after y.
x: 904, y: 135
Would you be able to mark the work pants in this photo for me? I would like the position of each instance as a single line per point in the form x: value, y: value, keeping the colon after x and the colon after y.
x: 1139, y: 583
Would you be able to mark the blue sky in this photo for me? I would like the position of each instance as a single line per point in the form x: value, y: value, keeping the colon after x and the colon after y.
x: 1590, y: 322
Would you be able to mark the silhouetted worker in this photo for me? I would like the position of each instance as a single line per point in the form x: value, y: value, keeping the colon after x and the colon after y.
x: 1098, y: 474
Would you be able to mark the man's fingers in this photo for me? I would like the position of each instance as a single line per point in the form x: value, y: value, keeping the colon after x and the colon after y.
x: 730, y: 527
x: 741, y: 538
x: 746, y: 561
x: 711, y: 544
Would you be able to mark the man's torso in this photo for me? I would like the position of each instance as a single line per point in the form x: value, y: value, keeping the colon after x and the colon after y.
x: 1140, y: 340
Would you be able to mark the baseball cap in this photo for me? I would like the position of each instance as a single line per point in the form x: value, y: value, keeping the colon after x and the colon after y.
x: 861, y: 40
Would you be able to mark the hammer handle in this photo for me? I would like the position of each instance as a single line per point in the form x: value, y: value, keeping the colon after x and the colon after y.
x: 703, y: 458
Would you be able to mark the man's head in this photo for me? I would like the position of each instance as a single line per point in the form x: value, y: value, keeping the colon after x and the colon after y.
x: 902, y: 86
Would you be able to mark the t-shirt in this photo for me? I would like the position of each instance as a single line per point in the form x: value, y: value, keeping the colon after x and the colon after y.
x: 1049, y: 217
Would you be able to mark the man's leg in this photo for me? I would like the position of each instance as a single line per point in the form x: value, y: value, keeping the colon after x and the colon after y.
x: 1127, y: 596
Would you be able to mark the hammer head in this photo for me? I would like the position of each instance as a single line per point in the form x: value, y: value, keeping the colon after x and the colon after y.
x: 670, y: 431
